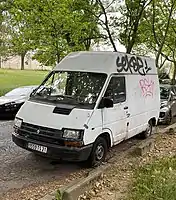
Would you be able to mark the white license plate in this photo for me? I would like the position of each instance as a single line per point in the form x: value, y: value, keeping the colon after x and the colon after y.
x: 37, y: 147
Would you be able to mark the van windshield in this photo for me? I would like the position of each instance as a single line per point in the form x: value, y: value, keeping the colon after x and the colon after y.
x: 80, y: 88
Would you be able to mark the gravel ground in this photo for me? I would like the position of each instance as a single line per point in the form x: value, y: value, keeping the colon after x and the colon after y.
x: 24, y: 176
x: 21, y: 169
x: 116, y: 182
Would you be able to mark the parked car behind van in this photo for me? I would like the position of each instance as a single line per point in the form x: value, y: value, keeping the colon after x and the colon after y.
x: 11, y: 102
x: 168, y: 103
x: 90, y: 102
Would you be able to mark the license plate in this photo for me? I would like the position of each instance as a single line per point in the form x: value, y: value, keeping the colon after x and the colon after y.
x: 37, y: 147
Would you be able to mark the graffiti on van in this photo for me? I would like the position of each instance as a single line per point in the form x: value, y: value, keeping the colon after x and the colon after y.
x: 147, y: 87
x: 133, y: 64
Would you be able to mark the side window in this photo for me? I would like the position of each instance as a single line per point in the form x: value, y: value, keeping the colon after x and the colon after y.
x: 116, y: 90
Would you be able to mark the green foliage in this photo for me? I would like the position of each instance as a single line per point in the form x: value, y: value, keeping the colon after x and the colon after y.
x: 52, y: 28
x: 58, y: 195
x: 132, y: 16
x: 155, y: 181
x: 4, y: 30
x: 157, y: 31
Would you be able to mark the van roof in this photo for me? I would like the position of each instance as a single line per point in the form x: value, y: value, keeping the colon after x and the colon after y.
x: 107, y: 62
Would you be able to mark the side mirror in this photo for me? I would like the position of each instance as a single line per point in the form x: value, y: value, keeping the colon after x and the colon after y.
x: 106, y: 103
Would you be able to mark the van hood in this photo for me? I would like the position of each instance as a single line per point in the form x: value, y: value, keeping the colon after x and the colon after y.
x: 50, y: 116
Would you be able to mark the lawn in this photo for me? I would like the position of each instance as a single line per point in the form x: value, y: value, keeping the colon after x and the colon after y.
x: 10, y: 79
x: 156, y: 181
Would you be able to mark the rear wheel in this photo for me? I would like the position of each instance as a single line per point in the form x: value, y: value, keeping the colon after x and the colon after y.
x: 148, y: 132
x: 98, y: 153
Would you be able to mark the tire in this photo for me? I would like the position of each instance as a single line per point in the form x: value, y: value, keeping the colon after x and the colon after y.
x: 169, y: 119
x: 98, y: 153
x: 148, y: 131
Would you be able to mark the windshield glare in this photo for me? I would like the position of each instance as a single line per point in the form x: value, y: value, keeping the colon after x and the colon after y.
x: 71, y: 87
x: 164, y: 92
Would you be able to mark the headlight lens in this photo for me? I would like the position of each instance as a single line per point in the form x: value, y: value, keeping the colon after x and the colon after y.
x: 72, y: 134
x: 18, y: 122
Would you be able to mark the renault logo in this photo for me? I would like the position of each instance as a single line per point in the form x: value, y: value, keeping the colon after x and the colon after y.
x: 38, y: 131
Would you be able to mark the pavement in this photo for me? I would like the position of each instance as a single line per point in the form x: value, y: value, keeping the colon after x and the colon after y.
x: 19, y: 168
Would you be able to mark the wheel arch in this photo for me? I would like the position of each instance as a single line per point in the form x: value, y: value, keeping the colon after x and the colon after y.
x: 107, y: 135
x: 154, y: 121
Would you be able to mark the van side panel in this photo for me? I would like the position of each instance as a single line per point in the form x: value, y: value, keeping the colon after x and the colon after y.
x: 143, y: 99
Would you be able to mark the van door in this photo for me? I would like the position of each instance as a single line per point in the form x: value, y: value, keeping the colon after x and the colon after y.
x: 115, y: 118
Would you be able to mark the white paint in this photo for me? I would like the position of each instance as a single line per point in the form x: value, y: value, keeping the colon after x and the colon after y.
x: 141, y: 107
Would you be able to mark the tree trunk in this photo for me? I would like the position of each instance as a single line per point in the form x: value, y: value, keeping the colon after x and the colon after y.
x: 107, y: 25
x: 58, y: 57
x: 22, y: 60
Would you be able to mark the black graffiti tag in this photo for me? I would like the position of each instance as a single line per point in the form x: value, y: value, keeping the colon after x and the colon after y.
x: 132, y: 64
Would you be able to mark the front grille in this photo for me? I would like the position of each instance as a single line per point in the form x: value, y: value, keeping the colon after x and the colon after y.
x: 40, y: 133
x: 162, y: 114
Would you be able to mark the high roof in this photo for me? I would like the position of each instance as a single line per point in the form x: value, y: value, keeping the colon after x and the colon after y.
x: 107, y: 62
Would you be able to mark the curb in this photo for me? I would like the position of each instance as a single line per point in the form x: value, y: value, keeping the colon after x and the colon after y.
x: 79, y: 186
x: 75, y: 189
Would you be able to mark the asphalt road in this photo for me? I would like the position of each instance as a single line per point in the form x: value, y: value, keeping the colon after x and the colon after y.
x: 19, y: 168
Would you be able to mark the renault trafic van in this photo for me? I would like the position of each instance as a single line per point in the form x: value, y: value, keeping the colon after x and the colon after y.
x: 88, y: 103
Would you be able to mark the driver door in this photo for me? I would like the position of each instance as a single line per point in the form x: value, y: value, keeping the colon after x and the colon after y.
x: 115, y: 118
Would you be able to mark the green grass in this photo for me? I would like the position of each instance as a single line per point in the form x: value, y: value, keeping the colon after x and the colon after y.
x: 10, y: 79
x: 156, y: 181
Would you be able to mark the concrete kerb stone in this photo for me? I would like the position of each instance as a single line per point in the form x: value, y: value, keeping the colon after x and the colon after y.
x: 144, y: 148
x: 169, y: 128
x: 77, y: 187
x: 73, y: 190
x: 51, y: 196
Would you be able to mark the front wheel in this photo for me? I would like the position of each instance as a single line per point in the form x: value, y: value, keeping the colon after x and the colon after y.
x: 148, y: 132
x: 98, y: 153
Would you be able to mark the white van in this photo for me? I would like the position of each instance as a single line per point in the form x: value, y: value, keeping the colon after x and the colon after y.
x: 88, y: 103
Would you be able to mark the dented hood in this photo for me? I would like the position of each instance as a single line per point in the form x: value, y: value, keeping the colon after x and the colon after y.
x: 57, y: 117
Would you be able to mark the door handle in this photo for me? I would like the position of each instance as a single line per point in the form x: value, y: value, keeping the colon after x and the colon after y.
x: 125, y: 108
x: 128, y: 115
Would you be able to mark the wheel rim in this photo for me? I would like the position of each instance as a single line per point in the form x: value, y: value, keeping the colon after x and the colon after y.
x: 149, y: 129
x: 99, y: 153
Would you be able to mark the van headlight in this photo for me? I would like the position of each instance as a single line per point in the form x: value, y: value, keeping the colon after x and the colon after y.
x: 18, y: 122
x: 72, y: 134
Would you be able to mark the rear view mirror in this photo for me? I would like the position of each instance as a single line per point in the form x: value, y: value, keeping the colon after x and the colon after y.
x: 106, y: 103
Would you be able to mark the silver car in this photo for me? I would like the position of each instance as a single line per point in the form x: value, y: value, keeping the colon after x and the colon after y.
x: 168, y: 103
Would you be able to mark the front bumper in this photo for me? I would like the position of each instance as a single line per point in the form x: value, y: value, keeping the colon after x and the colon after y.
x: 56, y: 151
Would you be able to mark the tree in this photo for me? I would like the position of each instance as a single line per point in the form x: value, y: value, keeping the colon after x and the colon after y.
x: 121, y: 20
x: 53, y: 28
x: 4, y: 31
x: 132, y: 16
x: 158, y: 32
